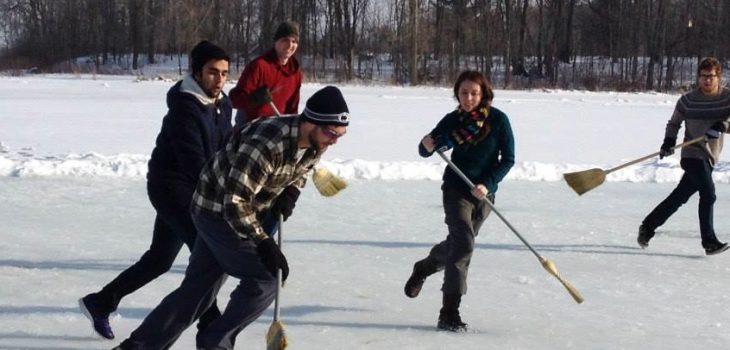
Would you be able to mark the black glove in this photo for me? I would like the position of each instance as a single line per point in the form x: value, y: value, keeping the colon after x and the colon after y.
x: 666, y: 149
x: 260, y: 96
x: 444, y: 142
x: 273, y: 258
x: 286, y: 201
x: 715, y: 130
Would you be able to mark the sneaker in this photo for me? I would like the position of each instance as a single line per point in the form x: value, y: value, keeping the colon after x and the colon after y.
x: 645, y: 234
x: 716, y: 248
x: 99, y: 318
x: 452, y: 324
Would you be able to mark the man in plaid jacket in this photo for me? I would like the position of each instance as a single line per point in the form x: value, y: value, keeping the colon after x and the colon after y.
x: 236, y: 189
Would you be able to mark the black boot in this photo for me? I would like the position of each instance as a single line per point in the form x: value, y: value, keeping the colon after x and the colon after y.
x: 449, y: 319
x: 421, y: 270
x: 645, y: 234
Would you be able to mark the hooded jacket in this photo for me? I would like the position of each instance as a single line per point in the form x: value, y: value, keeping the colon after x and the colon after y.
x: 195, y: 127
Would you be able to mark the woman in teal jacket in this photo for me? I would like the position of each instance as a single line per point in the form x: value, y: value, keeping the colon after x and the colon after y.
x: 483, y: 149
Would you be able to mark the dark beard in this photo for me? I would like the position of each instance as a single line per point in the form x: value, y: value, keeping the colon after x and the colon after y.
x: 313, y: 143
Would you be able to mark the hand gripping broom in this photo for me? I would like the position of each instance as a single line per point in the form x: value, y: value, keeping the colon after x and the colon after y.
x: 276, y: 338
x: 327, y: 183
x: 547, y: 264
x: 586, y: 180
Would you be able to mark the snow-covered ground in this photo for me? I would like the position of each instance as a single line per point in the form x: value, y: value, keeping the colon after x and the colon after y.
x: 73, y: 154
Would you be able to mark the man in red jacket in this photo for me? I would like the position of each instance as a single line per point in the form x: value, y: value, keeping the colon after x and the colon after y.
x: 274, y: 76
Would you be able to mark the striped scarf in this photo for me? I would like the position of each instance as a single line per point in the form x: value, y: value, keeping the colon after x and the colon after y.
x: 472, y: 127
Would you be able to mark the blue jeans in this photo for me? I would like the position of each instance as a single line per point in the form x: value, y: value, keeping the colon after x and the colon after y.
x: 218, y: 253
x: 270, y: 224
x: 697, y: 177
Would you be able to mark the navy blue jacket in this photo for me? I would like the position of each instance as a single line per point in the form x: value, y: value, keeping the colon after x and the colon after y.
x: 486, y: 162
x: 192, y: 131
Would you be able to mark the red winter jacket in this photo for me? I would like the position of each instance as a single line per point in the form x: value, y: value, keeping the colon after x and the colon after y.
x: 284, y: 82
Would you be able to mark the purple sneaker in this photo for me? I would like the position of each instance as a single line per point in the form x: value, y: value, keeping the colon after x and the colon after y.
x: 99, y: 319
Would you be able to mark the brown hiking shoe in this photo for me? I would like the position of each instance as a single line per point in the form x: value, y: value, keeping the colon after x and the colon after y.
x: 414, y: 284
x: 421, y: 270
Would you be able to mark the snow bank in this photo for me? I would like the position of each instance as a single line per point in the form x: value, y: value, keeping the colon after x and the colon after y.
x: 24, y: 164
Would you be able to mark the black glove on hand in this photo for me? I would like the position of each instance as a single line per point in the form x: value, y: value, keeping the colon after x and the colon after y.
x: 286, y: 201
x: 443, y: 142
x: 260, y: 96
x: 273, y: 258
x: 715, y: 130
x: 666, y: 149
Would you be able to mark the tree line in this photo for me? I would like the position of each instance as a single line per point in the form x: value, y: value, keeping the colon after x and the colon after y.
x: 624, y: 45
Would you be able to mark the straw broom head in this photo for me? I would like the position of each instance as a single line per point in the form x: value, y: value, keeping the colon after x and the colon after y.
x: 586, y: 180
x: 327, y: 184
x: 276, y: 338
x: 550, y: 267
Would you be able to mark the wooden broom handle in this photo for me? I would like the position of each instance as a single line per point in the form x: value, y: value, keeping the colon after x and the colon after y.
x: 276, y: 110
x: 277, y: 308
x: 687, y: 143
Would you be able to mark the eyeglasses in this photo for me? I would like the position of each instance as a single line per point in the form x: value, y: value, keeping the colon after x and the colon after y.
x: 331, y: 133
x: 708, y: 76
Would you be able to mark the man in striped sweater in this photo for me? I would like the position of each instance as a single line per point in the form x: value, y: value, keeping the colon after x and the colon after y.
x: 704, y: 111
x: 236, y: 188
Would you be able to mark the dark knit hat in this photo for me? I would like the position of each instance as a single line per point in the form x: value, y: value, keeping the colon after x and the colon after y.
x: 203, y: 52
x: 327, y: 107
x: 286, y: 29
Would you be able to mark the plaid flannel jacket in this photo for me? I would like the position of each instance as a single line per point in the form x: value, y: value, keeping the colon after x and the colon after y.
x: 239, y: 183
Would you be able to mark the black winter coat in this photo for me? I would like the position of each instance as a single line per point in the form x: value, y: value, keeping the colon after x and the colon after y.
x: 191, y: 133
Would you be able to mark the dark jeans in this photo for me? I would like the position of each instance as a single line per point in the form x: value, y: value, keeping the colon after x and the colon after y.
x: 270, y: 224
x: 218, y: 253
x: 697, y: 177
x: 173, y: 228
x: 464, y: 216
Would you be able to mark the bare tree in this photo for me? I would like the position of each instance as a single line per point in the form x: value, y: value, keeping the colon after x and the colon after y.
x: 622, y: 44
x: 413, y: 19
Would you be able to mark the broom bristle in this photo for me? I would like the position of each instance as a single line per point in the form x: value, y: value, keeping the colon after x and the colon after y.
x: 584, y: 181
x: 276, y: 338
x: 327, y: 184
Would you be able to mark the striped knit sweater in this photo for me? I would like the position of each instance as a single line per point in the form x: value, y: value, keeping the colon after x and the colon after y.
x: 698, y: 112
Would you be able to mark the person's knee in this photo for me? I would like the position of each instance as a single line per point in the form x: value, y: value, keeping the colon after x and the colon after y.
x: 268, y: 287
x: 264, y: 288
x: 162, y: 262
x: 463, y: 243
x: 708, y: 198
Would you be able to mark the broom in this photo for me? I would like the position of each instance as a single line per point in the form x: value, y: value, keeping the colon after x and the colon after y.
x: 327, y: 183
x: 546, y: 264
x: 586, y: 180
x: 276, y: 338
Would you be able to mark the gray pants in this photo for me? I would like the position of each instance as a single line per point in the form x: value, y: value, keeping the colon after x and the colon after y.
x: 219, y: 252
x: 464, y: 216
